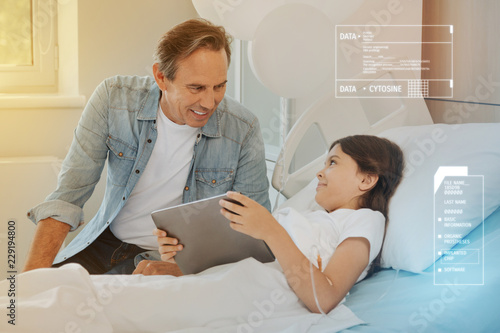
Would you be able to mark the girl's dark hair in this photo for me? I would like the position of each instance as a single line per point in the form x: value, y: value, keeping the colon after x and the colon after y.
x: 378, y: 156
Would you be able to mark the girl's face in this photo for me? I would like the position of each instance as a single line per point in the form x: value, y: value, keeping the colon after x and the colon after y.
x: 340, y: 183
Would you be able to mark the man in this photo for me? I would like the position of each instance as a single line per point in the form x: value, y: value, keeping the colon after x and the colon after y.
x: 167, y: 140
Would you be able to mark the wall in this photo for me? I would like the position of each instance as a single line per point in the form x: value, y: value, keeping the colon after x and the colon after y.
x: 37, y: 131
x: 476, y: 69
x: 118, y: 37
x: 476, y: 66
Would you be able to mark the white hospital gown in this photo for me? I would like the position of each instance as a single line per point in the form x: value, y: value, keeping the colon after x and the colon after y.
x: 320, y: 232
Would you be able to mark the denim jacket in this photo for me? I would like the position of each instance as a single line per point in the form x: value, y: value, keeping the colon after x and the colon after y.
x: 119, y: 125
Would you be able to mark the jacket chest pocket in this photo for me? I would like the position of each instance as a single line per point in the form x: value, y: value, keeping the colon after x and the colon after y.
x: 211, y: 182
x: 121, y: 161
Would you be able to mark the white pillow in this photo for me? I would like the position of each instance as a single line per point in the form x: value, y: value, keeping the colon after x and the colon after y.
x: 409, y: 241
x: 303, y: 200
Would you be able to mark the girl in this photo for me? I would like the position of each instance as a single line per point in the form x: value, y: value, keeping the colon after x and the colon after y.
x: 360, y: 175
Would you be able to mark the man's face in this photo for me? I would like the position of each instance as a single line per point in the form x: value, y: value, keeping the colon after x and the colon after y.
x: 197, y: 89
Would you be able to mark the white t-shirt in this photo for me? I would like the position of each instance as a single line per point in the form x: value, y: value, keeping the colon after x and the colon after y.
x: 321, y: 232
x: 161, y: 184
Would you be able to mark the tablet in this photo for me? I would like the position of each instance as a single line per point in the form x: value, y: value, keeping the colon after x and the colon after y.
x: 207, y: 237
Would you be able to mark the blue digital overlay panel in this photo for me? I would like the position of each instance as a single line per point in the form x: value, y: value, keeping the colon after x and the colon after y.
x: 458, y: 209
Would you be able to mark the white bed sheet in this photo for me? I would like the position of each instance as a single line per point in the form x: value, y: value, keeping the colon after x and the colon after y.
x: 243, y: 297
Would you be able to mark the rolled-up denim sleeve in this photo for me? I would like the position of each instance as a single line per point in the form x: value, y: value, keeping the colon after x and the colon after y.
x: 59, y: 210
x: 251, y: 176
x: 82, y: 167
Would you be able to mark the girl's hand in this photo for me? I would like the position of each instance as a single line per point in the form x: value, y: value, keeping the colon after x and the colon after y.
x: 251, y: 218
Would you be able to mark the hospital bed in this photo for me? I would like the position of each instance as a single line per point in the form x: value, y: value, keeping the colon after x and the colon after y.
x: 403, y: 296
x: 400, y: 298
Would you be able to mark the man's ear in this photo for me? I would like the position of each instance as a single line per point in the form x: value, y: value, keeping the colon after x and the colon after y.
x: 368, y: 181
x: 159, y: 77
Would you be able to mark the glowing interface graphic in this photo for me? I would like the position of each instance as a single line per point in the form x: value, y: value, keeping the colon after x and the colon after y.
x: 458, y: 233
x: 364, y: 53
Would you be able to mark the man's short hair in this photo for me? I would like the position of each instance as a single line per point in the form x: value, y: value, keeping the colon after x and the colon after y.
x: 185, y: 38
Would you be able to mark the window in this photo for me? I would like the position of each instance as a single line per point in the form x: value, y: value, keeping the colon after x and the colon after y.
x: 244, y: 86
x: 28, y: 46
x: 274, y: 112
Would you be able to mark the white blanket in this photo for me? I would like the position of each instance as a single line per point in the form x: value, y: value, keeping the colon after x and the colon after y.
x: 243, y: 297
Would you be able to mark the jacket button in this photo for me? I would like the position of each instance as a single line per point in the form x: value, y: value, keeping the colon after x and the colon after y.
x: 214, y: 181
x: 123, y: 198
x: 120, y: 154
x: 29, y: 214
x: 149, y: 140
x: 186, y: 188
x: 137, y: 171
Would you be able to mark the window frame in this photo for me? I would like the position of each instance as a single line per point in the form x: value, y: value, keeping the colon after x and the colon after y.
x: 42, y: 75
